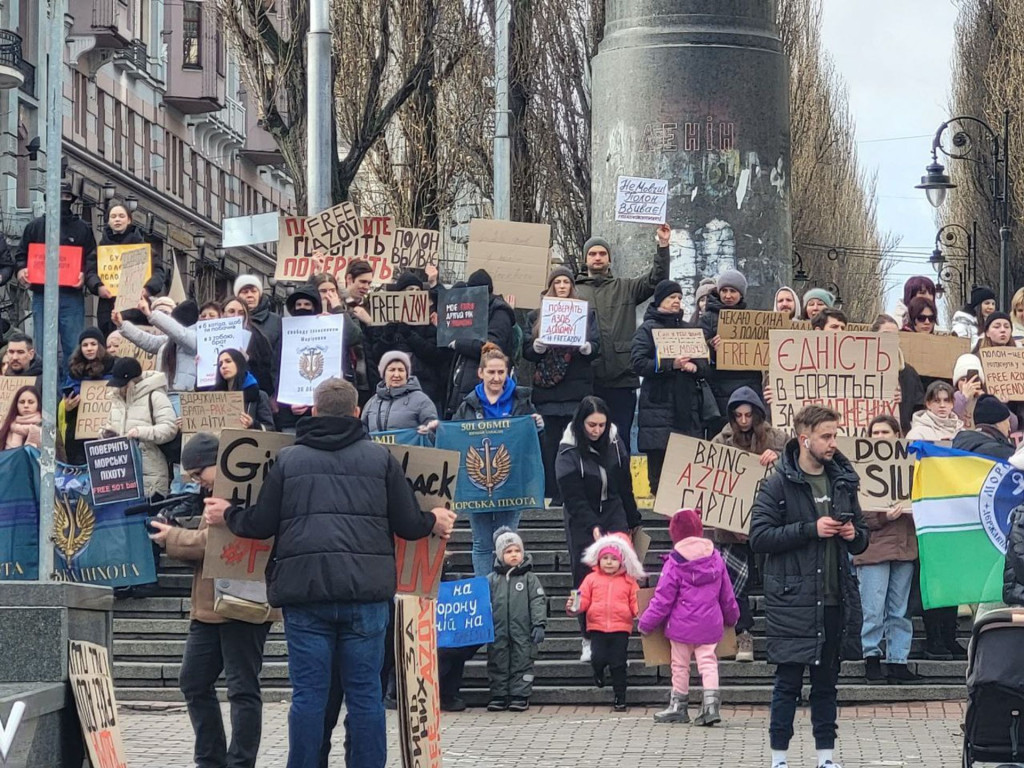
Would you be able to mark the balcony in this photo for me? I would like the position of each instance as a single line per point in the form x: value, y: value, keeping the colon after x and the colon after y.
x: 11, y: 75
x: 29, y: 72
x: 134, y: 60
x: 259, y: 147
x: 104, y: 20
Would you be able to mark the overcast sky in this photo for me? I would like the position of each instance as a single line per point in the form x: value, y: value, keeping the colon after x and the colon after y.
x: 895, y: 56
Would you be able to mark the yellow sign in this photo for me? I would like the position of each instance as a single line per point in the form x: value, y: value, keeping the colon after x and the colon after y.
x: 108, y: 263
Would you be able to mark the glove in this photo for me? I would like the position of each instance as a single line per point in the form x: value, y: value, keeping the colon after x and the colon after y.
x: 539, y: 347
x: 537, y: 635
x: 585, y: 348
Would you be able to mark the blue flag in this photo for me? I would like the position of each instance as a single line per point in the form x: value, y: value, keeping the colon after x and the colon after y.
x: 464, y: 613
x: 19, y: 515
x: 501, y: 468
x: 402, y: 437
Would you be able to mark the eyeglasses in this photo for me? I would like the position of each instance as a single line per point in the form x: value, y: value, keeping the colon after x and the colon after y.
x: 191, y: 477
x: 925, y: 318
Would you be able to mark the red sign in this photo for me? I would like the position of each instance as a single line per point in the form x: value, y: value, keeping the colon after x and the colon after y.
x: 70, y: 264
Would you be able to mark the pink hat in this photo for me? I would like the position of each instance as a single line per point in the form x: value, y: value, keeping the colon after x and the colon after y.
x: 613, y: 551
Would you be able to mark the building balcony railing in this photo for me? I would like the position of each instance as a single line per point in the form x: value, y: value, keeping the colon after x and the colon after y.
x: 11, y: 62
x: 28, y: 71
x: 134, y: 59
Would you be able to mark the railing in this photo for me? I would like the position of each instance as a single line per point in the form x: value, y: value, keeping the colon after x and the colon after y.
x: 28, y: 71
x: 10, y: 49
x: 135, y: 55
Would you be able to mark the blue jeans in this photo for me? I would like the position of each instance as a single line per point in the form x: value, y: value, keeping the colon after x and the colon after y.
x: 484, y: 524
x: 354, y: 633
x: 70, y: 324
x: 884, y: 592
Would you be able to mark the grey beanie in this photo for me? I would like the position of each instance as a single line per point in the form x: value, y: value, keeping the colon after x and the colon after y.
x: 732, y: 278
x: 504, y: 538
x: 200, y: 452
x: 394, y: 356
x: 707, y: 285
x: 560, y: 271
x: 596, y: 241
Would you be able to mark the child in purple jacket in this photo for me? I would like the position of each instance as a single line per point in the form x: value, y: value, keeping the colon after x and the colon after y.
x: 694, y: 601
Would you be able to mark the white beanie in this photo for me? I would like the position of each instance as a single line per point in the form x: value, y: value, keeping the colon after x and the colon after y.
x: 965, y: 363
x: 243, y: 280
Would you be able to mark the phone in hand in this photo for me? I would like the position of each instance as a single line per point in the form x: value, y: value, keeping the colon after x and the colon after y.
x: 68, y: 391
x: 973, y: 373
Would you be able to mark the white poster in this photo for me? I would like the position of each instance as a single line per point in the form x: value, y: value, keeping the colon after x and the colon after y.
x: 311, y: 353
x: 212, y: 337
x: 563, y: 322
x: 642, y: 201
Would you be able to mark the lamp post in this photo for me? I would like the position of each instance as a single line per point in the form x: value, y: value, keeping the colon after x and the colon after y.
x: 936, y: 183
x: 961, y: 238
x: 799, y: 273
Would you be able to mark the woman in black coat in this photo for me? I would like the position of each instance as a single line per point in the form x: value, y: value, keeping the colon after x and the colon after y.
x: 594, y: 480
x: 562, y: 376
x: 670, y: 393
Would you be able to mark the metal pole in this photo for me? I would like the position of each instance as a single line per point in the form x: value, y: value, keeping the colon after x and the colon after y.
x: 319, y: 108
x: 502, y: 142
x: 1004, y: 221
x: 54, y: 127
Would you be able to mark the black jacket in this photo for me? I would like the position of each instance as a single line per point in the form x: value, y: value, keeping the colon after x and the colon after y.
x: 133, y: 235
x: 73, y: 231
x: 783, y: 526
x: 984, y: 440
x: 577, y: 381
x: 668, y: 397
x: 501, y: 321
x: 334, y: 501
x: 6, y: 261
x: 911, y: 394
x: 472, y: 409
x: 583, y: 472
x: 724, y: 383
x: 1013, y: 571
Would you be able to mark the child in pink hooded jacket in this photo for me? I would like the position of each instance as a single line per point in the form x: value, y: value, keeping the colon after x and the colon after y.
x: 694, y: 602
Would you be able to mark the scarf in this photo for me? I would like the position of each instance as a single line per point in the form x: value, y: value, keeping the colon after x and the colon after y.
x: 24, y: 430
x: 504, y: 405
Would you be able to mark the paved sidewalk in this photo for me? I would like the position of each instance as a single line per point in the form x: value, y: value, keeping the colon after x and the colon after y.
x: 593, y: 737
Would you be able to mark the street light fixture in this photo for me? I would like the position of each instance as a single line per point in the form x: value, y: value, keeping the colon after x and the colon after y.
x: 109, y: 190
x: 131, y: 203
x: 199, y: 240
x: 935, y: 182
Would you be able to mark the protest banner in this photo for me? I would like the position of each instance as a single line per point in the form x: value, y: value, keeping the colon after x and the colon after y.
x: 115, y: 470
x: 244, y: 459
x: 9, y: 386
x: 414, y: 249
x: 331, y: 229
x: 70, y: 265
x: 744, y: 338
x: 128, y: 349
x: 411, y: 307
x: 464, y: 613
x: 409, y: 436
x: 1004, y: 372
x: 656, y: 647
x: 108, y: 264
x: 136, y: 268
x: 212, y: 337
x: 933, y: 354
x: 19, y: 515
x: 515, y: 255
x: 462, y: 314
x: 563, y: 322
x: 857, y: 374
x: 885, y: 469
x: 93, y: 689
x: 500, y: 468
x: 93, y: 409
x: 298, y: 259
x: 419, y: 705
x: 210, y: 412
x: 671, y: 343
x: 311, y: 353
x: 719, y: 480
x: 641, y: 201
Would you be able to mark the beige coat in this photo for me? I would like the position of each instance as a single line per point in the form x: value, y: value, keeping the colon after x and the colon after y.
x: 146, y: 408
x: 927, y: 426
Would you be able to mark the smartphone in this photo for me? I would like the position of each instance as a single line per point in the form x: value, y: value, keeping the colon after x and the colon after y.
x: 68, y: 391
x: 973, y: 373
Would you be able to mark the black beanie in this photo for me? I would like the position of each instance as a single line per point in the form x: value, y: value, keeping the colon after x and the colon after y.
x: 481, y: 277
x: 186, y: 313
x: 989, y: 410
x: 980, y: 294
x: 664, y: 289
x: 997, y: 316
x: 92, y: 333
x: 407, y: 280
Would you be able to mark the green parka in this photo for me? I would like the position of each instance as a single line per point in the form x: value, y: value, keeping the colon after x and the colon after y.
x: 518, y: 604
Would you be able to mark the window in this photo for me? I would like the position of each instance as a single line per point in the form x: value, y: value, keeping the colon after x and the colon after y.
x: 191, y: 34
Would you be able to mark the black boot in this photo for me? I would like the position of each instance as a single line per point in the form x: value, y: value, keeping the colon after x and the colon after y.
x: 873, y: 670
x: 949, y: 621
x: 935, y: 648
x: 901, y: 675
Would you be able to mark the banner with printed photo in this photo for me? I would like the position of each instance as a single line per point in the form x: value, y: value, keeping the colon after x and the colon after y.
x: 19, y: 514
x: 311, y: 353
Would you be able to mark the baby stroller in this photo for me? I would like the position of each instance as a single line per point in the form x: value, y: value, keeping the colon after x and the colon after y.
x: 994, y: 724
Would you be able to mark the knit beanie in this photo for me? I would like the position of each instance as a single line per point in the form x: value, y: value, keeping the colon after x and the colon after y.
x: 92, y: 333
x: 997, y: 316
x: 981, y: 294
x: 186, y: 313
x: 390, y: 357
x: 560, y: 272
x: 243, y: 280
x: 707, y: 285
x: 504, y: 538
x: 966, y: 363
x: 481, y: 277
x: 200, y: 452
x: 664, y: 289
x: 822, y: 295
x: 613, y: 551
x: 732, y: 278
x: 163, y: 304
x: 989, y: 410
x: 596, y: 241
x: 407, y: 280
x: 685, y: 524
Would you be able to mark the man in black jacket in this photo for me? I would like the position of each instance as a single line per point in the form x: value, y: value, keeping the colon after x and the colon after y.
x: 991, y: 433
x: 334, y: 501
x: 807, y: 520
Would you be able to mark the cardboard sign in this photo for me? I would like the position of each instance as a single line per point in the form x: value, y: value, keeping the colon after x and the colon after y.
x: 70, y: 261
x: 856, y: 374
x: 657, y: 648
x: 115, y: 470
x: 1004, y: 372
x: 128, y: 349
x: 719, y: 480
x: 414, y: 249
x: 931, y: 354
x: 744, y: 338
x: 93, y: 689
x: 885, y: 469
x: 298, y: 259
x: 93, y: 409
x: 563, y: 322
x: 212, y: 338
x: 419, y: 705
x: 136, y: 268
x: 411, y: 307
x: 515, y: 255
x: 311, y: 352
x: 671, y: 343
x: 464, y: 613
x: 641, y: 543
x: 642, y: 201
x: 332, y: 229
x: 9, y: 386
x: 108, y: 264
x: 210, y: 412
x: 462, y: 314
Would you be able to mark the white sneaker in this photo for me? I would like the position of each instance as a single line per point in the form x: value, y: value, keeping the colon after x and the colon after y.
x: 585, y: 655
x: 830, y: 764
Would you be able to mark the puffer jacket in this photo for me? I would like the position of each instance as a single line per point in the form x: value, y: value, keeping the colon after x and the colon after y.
x: 577, y: 382
x: 518, y: 602
x: 334, y: 500
x: 929, y: 427
x: 404, y: 407
x: 891, y: 540
x: 184, y: 338
x: 146, y: 407
x: 783, y: 526
x: 431, y: 364
x: 668, y: 397
x: 724, y: 383
x: 501, y: 322
x: 965, y: 325
x: 1013, y: 569
x: 694, y: 599
x: 610, y: 602
x: 615, y: 300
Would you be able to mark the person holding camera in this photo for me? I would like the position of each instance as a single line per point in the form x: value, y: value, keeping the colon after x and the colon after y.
x: 807, y: 520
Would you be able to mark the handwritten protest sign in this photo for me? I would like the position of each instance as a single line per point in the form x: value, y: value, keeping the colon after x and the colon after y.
x: 462, y: 314
x: 93, y: 409
x: 244, y: 459
x: 70, y: 264
x: 1004, y: 372
x: 298, y: 259
x: 671, y: 343
x: 147, y: 360
x: 311, y: 353
x: 411, y: 307
x: 213, y: 337
x: 464, y: 613
x: 210, y: 412
x: 719, y: 480
x: 414, y: 249
x: 9, y: 386
x: 115, y: 470
x: 108, y: 264
x: 93, y: 688
x: 563, y: 322
x: 515, y: 255
x: 136, y: 268
x: 885, y: 469
x: 856, y: 374
x: 744, y: 338
x: 419, y: 706
x: 643, y: 201
x: 931, y: 354
x: 330, y: 230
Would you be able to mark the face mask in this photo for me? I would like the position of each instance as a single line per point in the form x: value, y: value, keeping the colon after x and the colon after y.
x: 65, y: 208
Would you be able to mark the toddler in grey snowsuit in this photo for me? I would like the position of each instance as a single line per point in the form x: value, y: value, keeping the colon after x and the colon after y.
x: 520, y: 613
